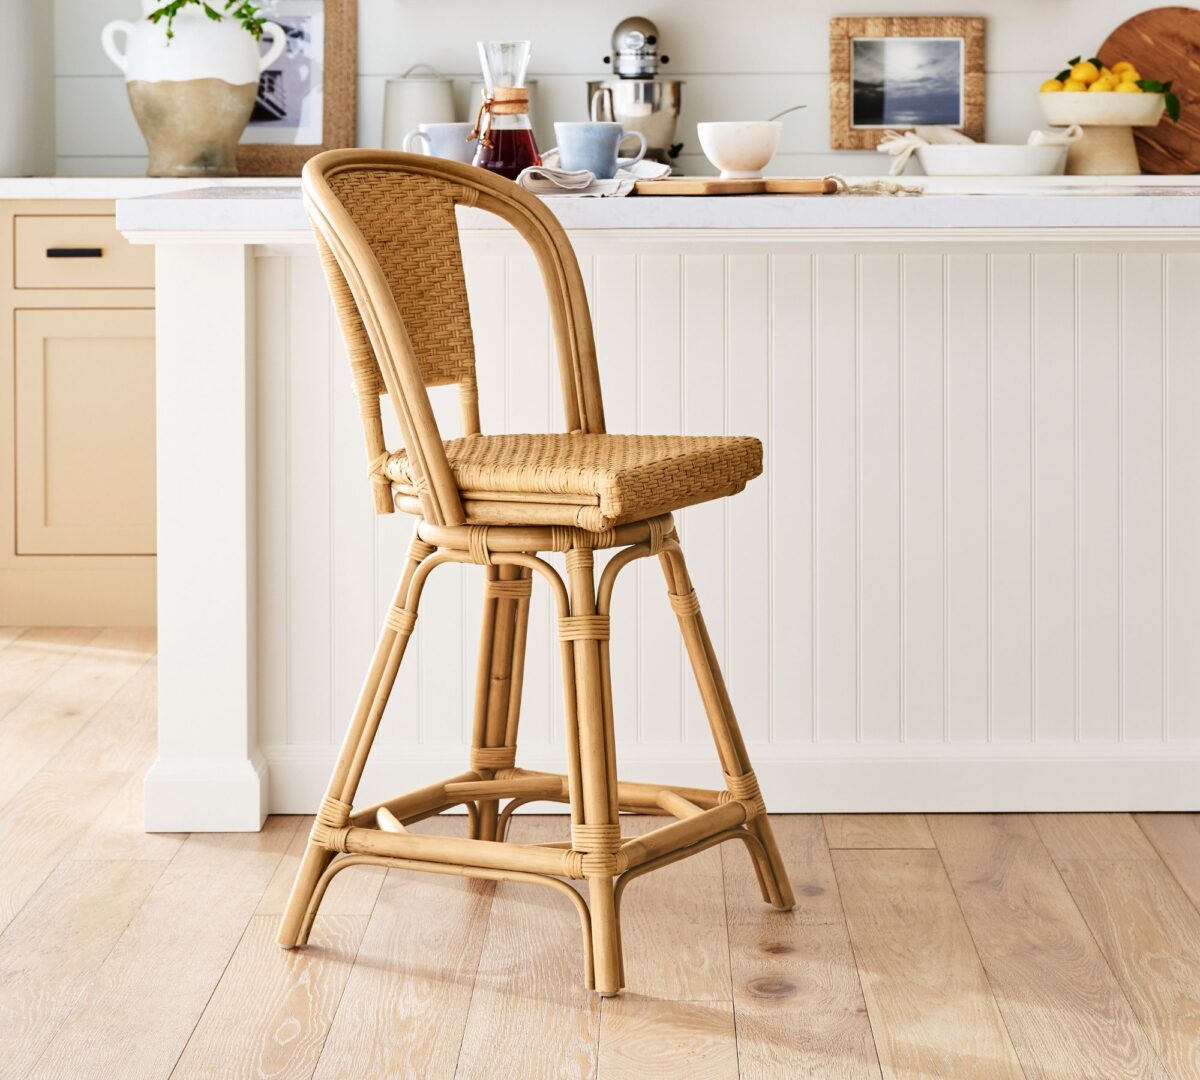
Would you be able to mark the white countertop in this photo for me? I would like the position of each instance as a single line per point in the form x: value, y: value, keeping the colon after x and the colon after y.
x: 275, y: 208
x: 118, y: 187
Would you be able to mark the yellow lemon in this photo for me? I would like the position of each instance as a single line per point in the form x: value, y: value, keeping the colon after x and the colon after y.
x: 1085, y: 72
x: 1051, y: 86
x: 1105, y: 72
x: 1123, y: 65
x: 1128, y: 88
x: 1100, y: 86
x: 1073, y: 86
x: 1130, y: 75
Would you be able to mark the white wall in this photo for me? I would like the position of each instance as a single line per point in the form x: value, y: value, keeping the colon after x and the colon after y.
x: 739, y: 60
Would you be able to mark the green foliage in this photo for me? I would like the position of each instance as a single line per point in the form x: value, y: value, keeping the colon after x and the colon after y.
x: 1171, y: 100
x: 243, y: 10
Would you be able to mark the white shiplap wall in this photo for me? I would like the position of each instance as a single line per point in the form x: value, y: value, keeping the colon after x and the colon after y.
x: 746, y: 60
x: 966, y: 581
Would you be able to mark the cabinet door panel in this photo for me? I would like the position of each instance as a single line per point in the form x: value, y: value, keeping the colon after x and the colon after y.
x: 85, y: 432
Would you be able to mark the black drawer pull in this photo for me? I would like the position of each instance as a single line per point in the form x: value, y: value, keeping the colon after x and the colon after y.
x: 74, y: 253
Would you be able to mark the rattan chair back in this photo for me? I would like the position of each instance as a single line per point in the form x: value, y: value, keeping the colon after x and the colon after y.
x: 387, y: 234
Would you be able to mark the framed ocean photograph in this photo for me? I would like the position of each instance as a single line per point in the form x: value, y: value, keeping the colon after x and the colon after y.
x: 306, y: 98
x: 897, y: 73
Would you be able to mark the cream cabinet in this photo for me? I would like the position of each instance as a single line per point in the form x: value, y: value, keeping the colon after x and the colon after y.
x: 77, y: 503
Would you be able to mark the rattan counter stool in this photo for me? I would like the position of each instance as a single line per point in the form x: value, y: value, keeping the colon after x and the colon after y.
x: 388, y: 238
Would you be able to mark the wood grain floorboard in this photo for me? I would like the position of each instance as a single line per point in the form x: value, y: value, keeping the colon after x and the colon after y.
x: 52, y: 950
x: 931, y: 1008
x: 1092, y: 836
x: 673, y: 927
x: 797, y: 997
x: 1149, y: 932
x: 352, y: 892
x: 405, y: 1006
x: 136, y: 1016
x: 877, y: 831
x: 32, y: 656
x: 660, y: 1040
x: 119, y: 830
x: 1176, y: 838
x: 529, y: 987
x: 1064, y: 1010
x: 273, y: 1008
x: 41, y: 825
x: 37, y: 729
x: 121, y: 736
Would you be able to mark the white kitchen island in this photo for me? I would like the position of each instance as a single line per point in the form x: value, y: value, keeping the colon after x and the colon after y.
x: 972, y: 582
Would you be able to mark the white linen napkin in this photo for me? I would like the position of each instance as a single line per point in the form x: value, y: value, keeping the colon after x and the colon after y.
x: 902, y: 145
x: 548, y: 179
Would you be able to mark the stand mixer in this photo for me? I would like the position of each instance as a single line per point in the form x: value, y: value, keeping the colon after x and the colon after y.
x: 636, y: 98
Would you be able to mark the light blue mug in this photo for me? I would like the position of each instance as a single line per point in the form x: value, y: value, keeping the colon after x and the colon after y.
x: 594, y: 145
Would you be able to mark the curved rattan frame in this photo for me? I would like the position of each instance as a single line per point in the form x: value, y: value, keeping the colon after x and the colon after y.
x: 509, y: 553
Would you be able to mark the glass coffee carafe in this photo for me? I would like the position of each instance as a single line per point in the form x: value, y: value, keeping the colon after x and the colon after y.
x: 506, y: 144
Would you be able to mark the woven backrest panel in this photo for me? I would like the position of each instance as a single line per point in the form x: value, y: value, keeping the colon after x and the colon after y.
x: 409, y: 223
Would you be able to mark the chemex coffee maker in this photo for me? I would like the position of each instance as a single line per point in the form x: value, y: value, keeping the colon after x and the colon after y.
x: 636, y: 98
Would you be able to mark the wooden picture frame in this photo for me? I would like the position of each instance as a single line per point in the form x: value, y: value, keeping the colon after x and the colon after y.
x: 844, y: 134
x: 340, y: 89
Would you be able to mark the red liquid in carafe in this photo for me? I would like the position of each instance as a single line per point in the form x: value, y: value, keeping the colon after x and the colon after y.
x: 511, y: 151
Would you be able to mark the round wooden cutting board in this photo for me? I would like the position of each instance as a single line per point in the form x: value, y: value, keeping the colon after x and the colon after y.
x: 1164, y: 44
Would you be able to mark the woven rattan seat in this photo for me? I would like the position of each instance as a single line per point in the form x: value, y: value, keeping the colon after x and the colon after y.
x: 386, y: 231
x: 608, y: 479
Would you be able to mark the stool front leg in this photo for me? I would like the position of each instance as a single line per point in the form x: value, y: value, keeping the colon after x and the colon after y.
x: 598, y: 835
x: 731, y: 747
x: 343, y: 784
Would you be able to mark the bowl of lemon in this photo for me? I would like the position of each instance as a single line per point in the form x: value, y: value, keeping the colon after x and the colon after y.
x: 1107, y: 103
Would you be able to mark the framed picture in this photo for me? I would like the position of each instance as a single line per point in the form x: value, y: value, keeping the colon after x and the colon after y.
x: 896, y: 73
x: 306, y: 99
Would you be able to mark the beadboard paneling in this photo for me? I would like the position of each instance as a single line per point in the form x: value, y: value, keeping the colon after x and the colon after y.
x: 974, y: 534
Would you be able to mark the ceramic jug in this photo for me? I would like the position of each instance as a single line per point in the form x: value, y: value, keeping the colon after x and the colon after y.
x: 192, y: 95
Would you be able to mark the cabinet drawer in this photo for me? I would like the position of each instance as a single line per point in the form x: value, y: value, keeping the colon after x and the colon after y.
x: 78, y: 252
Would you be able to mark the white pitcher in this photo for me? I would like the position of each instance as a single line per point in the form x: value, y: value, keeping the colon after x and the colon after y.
x: 200, y: 49
x: 192, y: 94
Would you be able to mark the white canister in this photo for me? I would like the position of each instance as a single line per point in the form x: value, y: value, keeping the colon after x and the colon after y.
x: 415, y: 99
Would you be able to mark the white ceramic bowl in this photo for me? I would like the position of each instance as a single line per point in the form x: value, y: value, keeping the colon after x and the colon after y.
x: 1102, y: 110
x: 991, y: 159
x: 740, y: 148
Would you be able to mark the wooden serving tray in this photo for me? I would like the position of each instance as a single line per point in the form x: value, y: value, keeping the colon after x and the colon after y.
x: 704, y: 185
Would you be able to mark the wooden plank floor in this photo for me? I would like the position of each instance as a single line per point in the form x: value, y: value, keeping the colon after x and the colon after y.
x: 1039, y: 945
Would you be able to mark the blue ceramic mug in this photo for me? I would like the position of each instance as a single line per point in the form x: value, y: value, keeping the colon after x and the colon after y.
x: 594, y: 145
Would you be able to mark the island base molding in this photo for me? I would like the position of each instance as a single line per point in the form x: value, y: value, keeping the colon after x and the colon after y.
x: 855, y: 779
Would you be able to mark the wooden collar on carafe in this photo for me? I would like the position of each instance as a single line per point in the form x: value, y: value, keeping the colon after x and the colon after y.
x: 504, y: 101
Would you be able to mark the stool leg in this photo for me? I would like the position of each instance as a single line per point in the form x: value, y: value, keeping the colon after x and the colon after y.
x: 598, y: 835
x: 731, y: 747
x: 372, y: 699
x: 498, y: 683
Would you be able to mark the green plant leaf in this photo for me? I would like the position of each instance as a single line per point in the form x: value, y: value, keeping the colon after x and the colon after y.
x: 1173, y: 107
x: 1096, y: 60
x: 1075, y: 61
x: 1063, y: 75
x: 1151, y: 86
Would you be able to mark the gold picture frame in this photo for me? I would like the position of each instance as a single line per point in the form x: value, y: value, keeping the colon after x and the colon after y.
x: 340, y: 90
x: 844, y: 132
